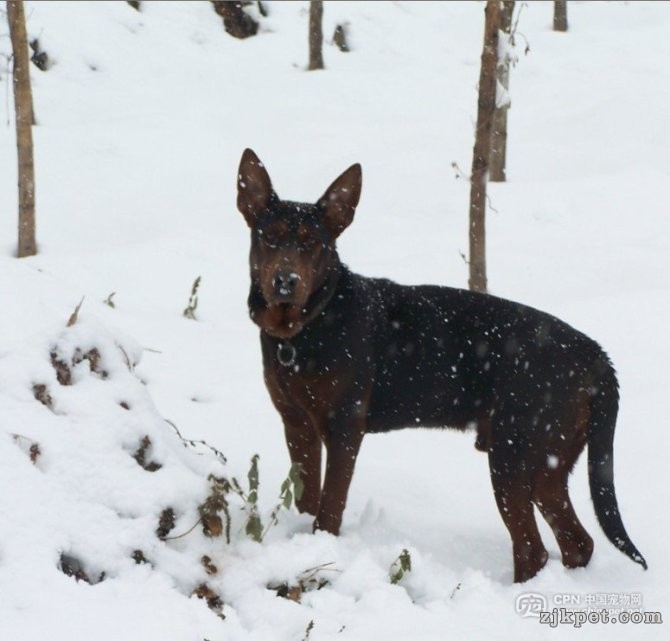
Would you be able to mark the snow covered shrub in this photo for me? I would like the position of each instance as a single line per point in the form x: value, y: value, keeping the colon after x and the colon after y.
x: 97, y: 485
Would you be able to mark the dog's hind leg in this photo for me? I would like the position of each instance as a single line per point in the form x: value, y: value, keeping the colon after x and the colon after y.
x: 512, y: 489
x: 550, y: 492
x: 551, y: 497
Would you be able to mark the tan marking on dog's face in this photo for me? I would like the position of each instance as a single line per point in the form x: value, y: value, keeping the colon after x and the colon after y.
x: 282, y: 321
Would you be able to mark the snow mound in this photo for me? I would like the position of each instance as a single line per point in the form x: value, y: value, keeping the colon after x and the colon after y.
x: 94, y: 480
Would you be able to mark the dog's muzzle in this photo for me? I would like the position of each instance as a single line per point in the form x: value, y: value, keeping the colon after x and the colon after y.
x: 284, y: 283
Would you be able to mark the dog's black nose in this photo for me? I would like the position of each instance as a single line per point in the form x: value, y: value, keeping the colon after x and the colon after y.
x: 284, y: 282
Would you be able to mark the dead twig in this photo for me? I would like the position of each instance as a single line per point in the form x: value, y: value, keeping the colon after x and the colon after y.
x: 183, y: 534
x: 74, y: 317
x: 194, y: 443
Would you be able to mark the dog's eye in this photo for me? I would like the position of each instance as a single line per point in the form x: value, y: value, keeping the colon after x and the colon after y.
x: 306, y: 238
x: 270, y: 237
x: 274, y: 234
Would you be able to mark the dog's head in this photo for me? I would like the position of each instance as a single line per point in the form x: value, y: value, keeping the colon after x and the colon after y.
x: 292, y: 244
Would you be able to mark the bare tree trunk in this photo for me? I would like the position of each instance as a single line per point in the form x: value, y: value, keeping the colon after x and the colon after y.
x: 482, y: 149
x: 315, y: 35
x: 499, y: 141
x: 560, y: 15
x: 23, y: 104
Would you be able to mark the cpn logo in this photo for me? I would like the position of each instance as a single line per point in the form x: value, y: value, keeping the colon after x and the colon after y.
x: 530, y: 604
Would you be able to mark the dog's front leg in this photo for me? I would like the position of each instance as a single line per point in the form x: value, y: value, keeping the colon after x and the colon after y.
x: 343, y: 440
x: 304, y: 446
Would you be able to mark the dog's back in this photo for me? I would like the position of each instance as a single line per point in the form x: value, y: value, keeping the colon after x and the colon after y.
x: 447, y: 357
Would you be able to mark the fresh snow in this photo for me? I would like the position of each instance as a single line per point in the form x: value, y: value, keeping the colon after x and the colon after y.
x: 141, y: 123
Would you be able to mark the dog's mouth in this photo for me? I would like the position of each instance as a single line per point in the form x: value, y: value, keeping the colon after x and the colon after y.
x: 284, y: 302
x: 282, y: 320
x: 286, y: 309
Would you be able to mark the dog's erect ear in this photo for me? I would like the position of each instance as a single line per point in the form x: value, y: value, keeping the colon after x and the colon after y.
x: 339, y: 202
x: 254, y: 188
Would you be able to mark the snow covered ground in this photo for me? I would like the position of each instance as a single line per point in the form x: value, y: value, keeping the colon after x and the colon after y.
x: 141, y: 122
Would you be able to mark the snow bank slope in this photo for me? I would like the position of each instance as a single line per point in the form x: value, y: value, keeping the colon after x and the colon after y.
x: 87, y: 466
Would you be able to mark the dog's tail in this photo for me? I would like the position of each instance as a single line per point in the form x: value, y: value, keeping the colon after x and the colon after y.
x: 604, y: 408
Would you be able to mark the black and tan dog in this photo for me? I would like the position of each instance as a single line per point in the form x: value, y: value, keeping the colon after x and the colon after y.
x: 345, y: 355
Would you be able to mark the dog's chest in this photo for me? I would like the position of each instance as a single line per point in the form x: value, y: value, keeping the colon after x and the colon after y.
x: 315, y: 369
